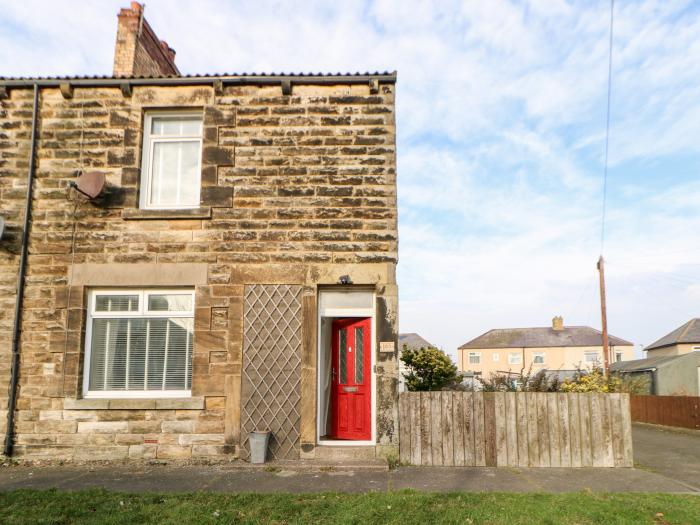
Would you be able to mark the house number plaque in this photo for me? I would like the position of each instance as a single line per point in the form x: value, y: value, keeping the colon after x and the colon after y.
x: 387, y: 346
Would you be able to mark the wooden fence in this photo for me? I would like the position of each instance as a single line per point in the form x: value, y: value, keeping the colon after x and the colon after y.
x: 673, y: 411
x: 515, y: 429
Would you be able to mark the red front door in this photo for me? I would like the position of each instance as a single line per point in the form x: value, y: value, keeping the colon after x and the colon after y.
x: 351, y: 391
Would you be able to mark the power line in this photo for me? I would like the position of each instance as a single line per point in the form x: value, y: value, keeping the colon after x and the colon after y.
x: 607, y: 130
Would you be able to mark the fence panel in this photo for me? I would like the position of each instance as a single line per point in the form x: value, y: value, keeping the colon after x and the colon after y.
x: 672, y: 411
x: 517, y: 429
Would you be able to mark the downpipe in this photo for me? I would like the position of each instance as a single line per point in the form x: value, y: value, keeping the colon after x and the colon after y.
x: 21, y: 274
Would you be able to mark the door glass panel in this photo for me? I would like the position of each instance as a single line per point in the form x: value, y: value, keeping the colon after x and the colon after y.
x: 359, y: 355
x: 343, y: 357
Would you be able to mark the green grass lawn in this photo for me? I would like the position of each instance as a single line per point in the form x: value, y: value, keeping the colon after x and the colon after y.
x: 406, y: 507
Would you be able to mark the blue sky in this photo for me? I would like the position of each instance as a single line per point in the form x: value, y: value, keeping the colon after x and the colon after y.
x: 500, y: 128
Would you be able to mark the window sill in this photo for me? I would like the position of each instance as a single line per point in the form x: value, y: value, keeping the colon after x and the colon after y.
x: 135, y: 214
x: 185, y: 403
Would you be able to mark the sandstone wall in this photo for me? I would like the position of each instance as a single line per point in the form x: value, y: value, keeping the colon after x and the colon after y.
x: 296, y: 189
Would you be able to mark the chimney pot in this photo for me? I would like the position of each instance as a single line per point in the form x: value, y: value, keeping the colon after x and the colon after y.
x: 558, y: 323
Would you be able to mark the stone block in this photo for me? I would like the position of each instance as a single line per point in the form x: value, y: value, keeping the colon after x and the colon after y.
x: 201, y: 439
x: 185, y: 403
x: 101, y: 453
x: 208, y: 450
x: 173, y: 452
x: 177, y: 427
x: 85, y: 404
x: 132, y: 404
x: 102, y: 427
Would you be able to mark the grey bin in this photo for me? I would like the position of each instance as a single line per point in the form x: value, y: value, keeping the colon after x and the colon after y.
x: 258, y: 445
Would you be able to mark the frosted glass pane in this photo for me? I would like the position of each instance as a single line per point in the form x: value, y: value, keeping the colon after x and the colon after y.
x: 343, y: 357
x: 337, y: 299
x: 176, y: 127
x: 174, y: 174
x: 359, y: 356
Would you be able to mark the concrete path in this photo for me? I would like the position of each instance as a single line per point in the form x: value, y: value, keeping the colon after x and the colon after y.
x: 674, y: 453
x: 668, y: 462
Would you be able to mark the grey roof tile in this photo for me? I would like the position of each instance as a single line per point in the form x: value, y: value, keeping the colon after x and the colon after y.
x: 687, y: 333
x: 542, y: 337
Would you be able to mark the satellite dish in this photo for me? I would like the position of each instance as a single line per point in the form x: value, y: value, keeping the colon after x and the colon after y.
x: 90, y: 184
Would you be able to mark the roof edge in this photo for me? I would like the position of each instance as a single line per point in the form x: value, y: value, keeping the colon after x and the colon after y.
x: 235, y: 79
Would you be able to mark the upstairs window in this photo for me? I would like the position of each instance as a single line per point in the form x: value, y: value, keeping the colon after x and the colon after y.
x: 515, y: 358
x: 496, y: 357
x: 139, y: 343
x: 592, y: 358
x: 474, y: 358
x: 171, y: 167
x: 538, y: 358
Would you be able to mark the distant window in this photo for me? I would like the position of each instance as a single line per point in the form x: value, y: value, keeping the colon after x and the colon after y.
x: 515, y: 358
x: 538, y: 358
x: 696, y: 349
x: 591, y: 357
x: 474, y: 358
x: 172, y: 151
x: 618, y: 356
x: 496, y: 356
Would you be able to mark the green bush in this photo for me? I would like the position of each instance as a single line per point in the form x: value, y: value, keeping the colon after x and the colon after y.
x: 428, y: 369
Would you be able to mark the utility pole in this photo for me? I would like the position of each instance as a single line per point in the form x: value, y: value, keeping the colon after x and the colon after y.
x: 604, y: 315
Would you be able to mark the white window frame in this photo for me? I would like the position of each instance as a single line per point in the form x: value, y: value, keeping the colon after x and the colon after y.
x: 535, y: 355
x: 618, y: 357
x: 696, y: 349
x: 595, y: 361
x: 515, y: 358
x: 496, y: 357
x: 142, y: 311
x: 474, y: 354
x: 147, y: 157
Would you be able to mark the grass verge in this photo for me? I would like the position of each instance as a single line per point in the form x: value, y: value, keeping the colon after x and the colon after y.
x: 405, y: 507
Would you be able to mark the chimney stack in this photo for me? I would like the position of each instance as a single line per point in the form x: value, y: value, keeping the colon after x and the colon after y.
x: 558, y: 323
x: 138, y: 51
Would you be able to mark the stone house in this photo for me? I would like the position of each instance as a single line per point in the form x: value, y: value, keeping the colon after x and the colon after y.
x: 560, y: 348
x: 236, y: 273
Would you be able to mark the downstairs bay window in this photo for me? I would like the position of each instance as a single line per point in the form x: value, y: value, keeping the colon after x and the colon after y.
x: 139, y: 343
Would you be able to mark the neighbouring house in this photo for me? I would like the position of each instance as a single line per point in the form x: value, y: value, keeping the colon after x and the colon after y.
x: 236, y: 273
x: 557, y: 348
x: 672, y: 366
x: 413, y: 341
x: 668, y: 375
x: 682, y: 340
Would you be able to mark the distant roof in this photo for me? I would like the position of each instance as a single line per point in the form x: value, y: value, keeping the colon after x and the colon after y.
x: 539, y: 337
x: 688, y: 333
x: 649, y: 363
x: 230, y: 78
x: 413, y: 340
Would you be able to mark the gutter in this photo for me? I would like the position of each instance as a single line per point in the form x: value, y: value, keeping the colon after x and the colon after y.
x: 203, y: 80
x: 16, y: 329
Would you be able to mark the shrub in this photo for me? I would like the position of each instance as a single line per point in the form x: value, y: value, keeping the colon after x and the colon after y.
x: 521, y: 382
x: 428, y: 369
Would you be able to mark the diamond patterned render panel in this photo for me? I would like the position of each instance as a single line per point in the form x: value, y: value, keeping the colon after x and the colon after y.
x: 271, y: 382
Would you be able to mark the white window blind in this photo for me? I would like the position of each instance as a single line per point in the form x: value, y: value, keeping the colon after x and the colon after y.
x: 139, y: 344
x: 171, y: 173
